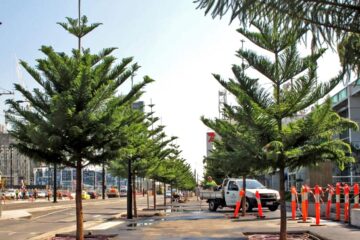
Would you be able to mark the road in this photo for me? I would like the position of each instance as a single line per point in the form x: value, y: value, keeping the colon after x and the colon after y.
x: 48, y: 218
x: 104, y: 217
x: 188, y: 221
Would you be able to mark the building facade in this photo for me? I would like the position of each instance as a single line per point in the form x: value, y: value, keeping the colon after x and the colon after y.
x: 14, y: 167
x: 347, y: 103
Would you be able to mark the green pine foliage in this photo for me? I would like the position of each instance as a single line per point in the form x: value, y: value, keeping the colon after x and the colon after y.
x: 306, y: 140
x: 76, y: 116
x: 349, y: 54
x: 327, y: 18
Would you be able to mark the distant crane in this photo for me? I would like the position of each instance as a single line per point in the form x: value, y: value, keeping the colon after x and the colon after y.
x: 6, y: 92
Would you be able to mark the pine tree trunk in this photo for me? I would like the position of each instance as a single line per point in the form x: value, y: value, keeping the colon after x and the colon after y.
x: 164, y: 194
x: 79, y: 208
x: 154, y: 191
x: 147, y: 194
x: 134, y: 195
x: 129, y: 192
x: 55, y: 184
x: 103, y: 181
x: 282, y: 204
x: 243, y: 200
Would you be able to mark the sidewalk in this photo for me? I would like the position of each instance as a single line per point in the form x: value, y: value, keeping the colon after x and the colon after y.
x: 201, y: 224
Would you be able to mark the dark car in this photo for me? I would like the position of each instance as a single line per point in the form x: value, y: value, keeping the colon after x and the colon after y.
x: 93, y: 195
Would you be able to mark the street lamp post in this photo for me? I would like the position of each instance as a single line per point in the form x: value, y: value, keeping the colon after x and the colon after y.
x: 55, y: 184
x: 11, y: 167
x: 129, y: 192
x: 103, y: 181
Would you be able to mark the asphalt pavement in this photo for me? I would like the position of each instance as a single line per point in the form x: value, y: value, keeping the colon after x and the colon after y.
x: 190, y: 220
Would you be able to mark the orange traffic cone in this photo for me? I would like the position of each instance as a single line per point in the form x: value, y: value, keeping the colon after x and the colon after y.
x: 293, y: 203
x: 260, y: 212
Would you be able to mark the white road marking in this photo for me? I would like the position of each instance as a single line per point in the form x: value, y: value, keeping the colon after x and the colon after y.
x: 106, y: 225
x: 48, y: 214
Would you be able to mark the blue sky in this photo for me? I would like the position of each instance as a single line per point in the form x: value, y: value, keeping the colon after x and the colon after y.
x: 173, y: 42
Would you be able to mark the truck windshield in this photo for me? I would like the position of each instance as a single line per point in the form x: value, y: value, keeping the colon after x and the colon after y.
x: 251, y: 184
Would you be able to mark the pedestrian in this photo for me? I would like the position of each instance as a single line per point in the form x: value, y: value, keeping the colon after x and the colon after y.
x: 197, y: 192
x: 17, y: 194
x: 23, y: 191
x: 48, y: 194
x: 35, y: 193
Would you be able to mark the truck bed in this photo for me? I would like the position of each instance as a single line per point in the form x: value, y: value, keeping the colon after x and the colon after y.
x: 210, y: 194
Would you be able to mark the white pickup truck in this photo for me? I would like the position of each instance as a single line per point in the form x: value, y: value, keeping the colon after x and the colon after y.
x: 228, y: 195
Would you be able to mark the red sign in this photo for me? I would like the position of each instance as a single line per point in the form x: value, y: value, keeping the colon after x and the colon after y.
x: 211, y: 136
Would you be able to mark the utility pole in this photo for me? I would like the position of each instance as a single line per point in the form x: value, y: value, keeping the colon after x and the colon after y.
x: 6, y: 92
x: 151, y: 105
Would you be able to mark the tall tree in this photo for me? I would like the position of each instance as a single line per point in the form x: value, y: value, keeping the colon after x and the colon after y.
x: 76, y: 118
x: 328, y: 18
x: 295, y: 87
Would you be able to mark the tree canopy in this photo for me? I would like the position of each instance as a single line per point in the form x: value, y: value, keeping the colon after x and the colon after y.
x: 328, y: 18
x: 307, y: 139
x: 76, y: 117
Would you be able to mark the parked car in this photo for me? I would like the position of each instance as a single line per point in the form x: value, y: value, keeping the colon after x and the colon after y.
x: 93, y: 194
x: 9, y: 194
x: 112, y: 192
x: 168, y: 194
x: 123, y: 192
x: 42, y: 194
x: 85, y: 195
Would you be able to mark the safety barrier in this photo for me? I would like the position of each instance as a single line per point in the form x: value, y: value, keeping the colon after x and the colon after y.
x: 328, y: 206
x: 317, y: 192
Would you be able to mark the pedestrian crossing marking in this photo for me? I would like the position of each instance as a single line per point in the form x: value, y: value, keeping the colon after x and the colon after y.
x: 106, y: 225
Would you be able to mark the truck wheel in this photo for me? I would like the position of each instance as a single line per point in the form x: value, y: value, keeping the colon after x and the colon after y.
x: 273, y: 208
x: 248, y: 206
x: 212, y: 206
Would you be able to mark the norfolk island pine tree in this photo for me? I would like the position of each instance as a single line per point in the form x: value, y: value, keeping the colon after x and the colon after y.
x: 305, y: 141
x: 76, y: 118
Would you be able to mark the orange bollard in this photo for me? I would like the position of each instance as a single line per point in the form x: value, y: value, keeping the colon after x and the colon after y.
x: 304, y: 202
x: 238, y: 204
x: 356, y: 195
x: 346, y: 209
x: 328, y: 206
x: 307, y: 200
x: 260, y: 212
x: 317, y: 204
x: 337, y: 194
x: 293, y: 203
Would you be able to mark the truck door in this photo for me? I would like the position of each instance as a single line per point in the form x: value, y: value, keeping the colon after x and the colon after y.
x: 231, y: 194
